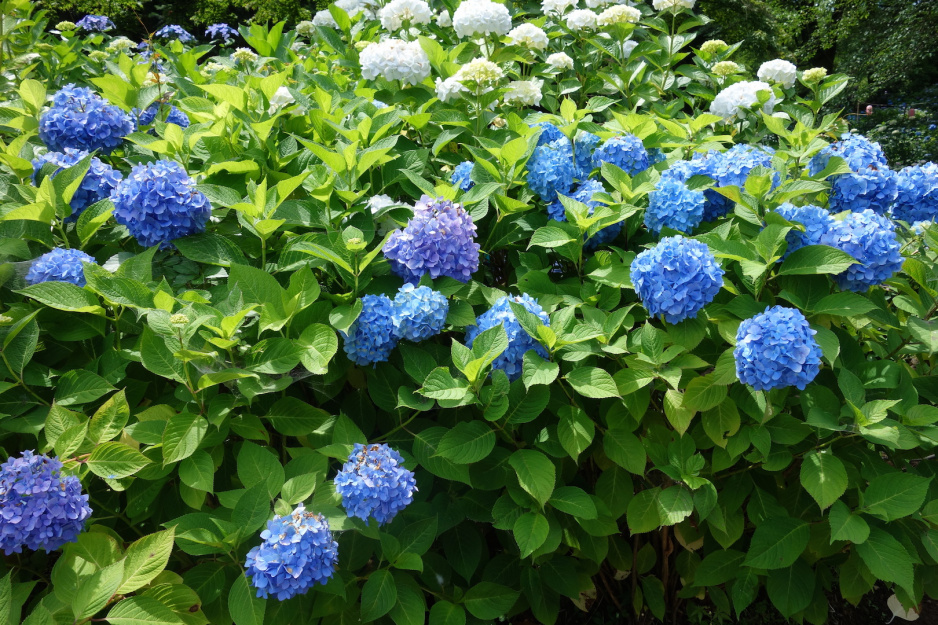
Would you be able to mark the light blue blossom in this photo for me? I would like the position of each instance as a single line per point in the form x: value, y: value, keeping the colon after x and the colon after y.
x: 461, y: 176
x: 917, y: 197
x: 776, y: 349
x: 59, y: 265
x: 672, y: 204
x: 584, y: 194
x: 583, y: 148
x: 174, y: 116
x: 816, y: 221
x: 99, y: 181
x: 374, y: 483
x: 551, y: 169
x: 221, y: 31
x: 871, y: 185
x: 174, y: 31
x: 95, y: 23
x: 419, y: 312
x: 519, y: 342
x: 81, y: 119
x: 371, y: 338
x: 625, y: 152
x: 871, y: 239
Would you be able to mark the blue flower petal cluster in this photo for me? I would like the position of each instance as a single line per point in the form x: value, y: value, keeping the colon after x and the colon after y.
x: 584, y: 194
x: 95, y: 23
x: 439, y: 240
x: 702, y: 164
x: 298, y: 552
x: 917, y: 198
x: 372, y: 337
x: 99, y: 180
x: 676, y: 278
x: 461, y: 175
x: 583, y: 149
x: 674, y: 205
x: 776, y: 349
x: 549, y: 133
x: 872, y: 185
x: 40, y: 508
x: 551, y: 169
x: 732, y: 168
x: 816, y: 222
x: 221, y: 31
x: 625, y: 152
x: 419, y: 312
x: 519, y: 342
x: 59, y: 265
x: 656, y: 155
x: 158, y: 202
x: 175, y: 31
x: 175, y: 116
x: 871, y: 239
x: 81, y: 119
x: 374, y: 483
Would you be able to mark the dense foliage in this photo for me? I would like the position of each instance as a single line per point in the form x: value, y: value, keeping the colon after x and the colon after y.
x: 409, y: 315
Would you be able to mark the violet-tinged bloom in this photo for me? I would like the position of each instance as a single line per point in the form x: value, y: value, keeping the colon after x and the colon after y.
x: 174, y: 116
x: 40, y: 507
x: 439, y: 240
x: 419, y: 312
x: 461, y: 175
x: 871, y: 185
x: 298, y: 552
x: 174, y: 31
x: 374, y: 483
x: 551, y: 169
x: 59, y: 265
x: 221, y: 31
x: 816, y: 222
x: 371, y: 338
x: 625, y: 152
x: 917, y: 198
x: 674, y: 205
x: 519, y: 342
x: 81, y: 119
x: 676, y: 278
x: 776, y: 349
x: 95, y: 23
x: 871, y: 239
x: 99, y: 180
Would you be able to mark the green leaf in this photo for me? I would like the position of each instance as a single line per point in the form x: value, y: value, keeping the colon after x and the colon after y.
x: 824, y: 477
x: 198, y: 471
x: 378, y: 596
x: 844, y: 304
x: 245, y: 608
x: 643, y: 512
x: 113, y: 460
x: 625, y: 449
x: 536, y: 370
x: 94, y: 592
x: 847, y: 526
x: 257, y: 464
x: 536, y: 474
x: 777, y: 543
x: 6, y: 600
x: 441, y: 384
x: 468, y: 442
x: 895, y: 495
x: 719, y: 567
x: 791, y: 589
x: 252, y: 510
x: 445, y: 613
x: 319, y: 344
x: 489, y: 601
x: 886, y: 558
x: 142, y: 611
x: 211, y: 249
x: 704, y: 393
x: 158, y: 358
x: 924, y: 332
x: 816, y: 259
x: 145, y: 559
x: 79, y: 386
x: 530, y: 532
x: 109, y: 419
x: 294, y: 417
x: 63, y: 296
x: 182, y: 435
x: 592, y: 382
x: 574, y: 501
x: 674, y: 505
x: 575, y: 430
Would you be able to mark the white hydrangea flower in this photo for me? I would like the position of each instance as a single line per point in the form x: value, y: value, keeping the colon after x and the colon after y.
x: 725, y: 68
x: 444, y: 19
x: 397, y: 12
x: 213, y: 67
x: 480, y: 71
x: 394, y: 59
x: 244, y: 54
x: 742, y: 96
x: 481, y: 18
x: 673, y: 5
x: 557, y: 7
x: 384, y: 224
x: 305, y: 28
x: 619, y: 14
x: 815, y: 74
x: 595, y: 4
x: 779, y: 71
x: 449, y: 89
x: 120, y: 44
x: 155, y: 78
x: 560, y: 60
x: 324, y: 18
x: 524, y: 92
x: 528, y: 36
x: 628, y: 47
x: 354, y: 7
x: 713, y: 46
x: 281, y: 98
x: 581, y: 19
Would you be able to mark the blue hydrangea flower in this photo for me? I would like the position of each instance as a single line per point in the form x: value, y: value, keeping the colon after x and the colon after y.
x: 298, y: 552
x: 99, y: 180
x: 81, y: 119
x: 158, y: 202
x: 872, y: 185
x: 917, y: 197
x: 676, y: 278
x: 175, y: 116
x: 732, y: 168
x: 461, y: 175
x: 551, y: 169
x: 816, y: 222
x: 59, y: 265
x: 374, y: 483
x: 174, y: 31
x: 674, y: 205
x: 371, y: 338
x: 583, y: 148
x: 519, y: 342
x: 871, y: 239
x: 95, y: 23
x: 656, y: 155
x: 584, y: 194
x: 702, y: 164
x: 439, y: 240
x: 378, y: 104
x: 40, y: 507
x: 776, y: 349
x: 625, y: 152
x: 221, y: 31
x: 549, y: 133
x: 419, y: 312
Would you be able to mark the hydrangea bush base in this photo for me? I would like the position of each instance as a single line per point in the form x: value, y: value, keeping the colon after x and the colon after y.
x: 455, y: 314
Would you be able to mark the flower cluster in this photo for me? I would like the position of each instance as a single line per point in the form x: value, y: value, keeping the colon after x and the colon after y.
x: 524, y: 92
x: 776, y: 349
x: 81, y: 119
x: 676, y: 278
x: 560, y: 61
x: 816, y: 222
x: 740, y: 97
x: 917, y: 194
x: 221, y: 31
x: 625, y: 152
x: 871, y: 239
x: 244, y: 55
x: 583, y: 147
x: 461, y: 175
x: 519, y: 342
x: 374, y: 483
x: 871, y: 185
x: 40, y: 507
x: 120, y: 44
x: 59, y: 265
x: 556, y: 7
x: 371, y: 338
x: 99, y: 180
x: 673, y: 5
x: 175, y: 31
x: 394, y: 59
x: 298, y: 552
x: 672, y: 204
x: 551, y: 169
x: 815, y: 74
x: 549, y: 133
x: 725, y: 68
x: 581, y: 19
x: 529, y: 36
x: 480, y: 18
x: 780, y: 71
x: 158, y: 202
x: 174, y: 116
x: 713, y: 46
x: 95, y: 23
x: 398, y: 13
x: 584, y: 194
x: 618, y: 14
x: 418, y: 313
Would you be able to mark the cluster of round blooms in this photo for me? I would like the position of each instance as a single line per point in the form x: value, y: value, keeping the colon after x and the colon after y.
x: 556, y: 7
x: 245, y: 55
x: 702, y: 164
x: 211, y: 67
x: 815, y: 74
x: 529, y: 36
x: 524, y: 92
x: 95, y: 23
x: 120, y: 44
x: 870, y: 185
x: 740, y: 97
x: 59, y: 265
x: 584, y: 194
x: 560, y: 60
x: 549, y: 133
x: 174, y: 116
x: 99, y: 180
x: 581, y: 19
x: 395, y: 14
x: 447, y: 90
x: 551, y: 169
x: 480, y: 18
x: 66, y: 25
x: 158, y: 202
x: 917, y: 194
x: 619, y: 14
x: 418, y: 312
x: 394, y: 59
x: 816, y: 222
x: 354, y: 7
x: 306, y: 28
x: 732, y: 168
x: 871, y: 239
x: 583, y: 147
x: 779, y: 71
x: 776, y: 349
x: 673, y: 5
x: 98, y: 56
x: 519, y: 342
x: 81, y: 119
x: 155, y: 78
x: 595, y: 4
x: 713, y: 46
x: 628, y: 47
x: 221, y: 31
x: 175, y: 31
x: 439, y: 240
x: 444, y: 19
x: 674, y: 205
x: 371, y: 337
x: 461, y: 175
x: 725, y: 68
x: 625, y: 152
x: 482, y: 72
x: 298, y: 552
x: 374, y: 483
x: 676, y: 278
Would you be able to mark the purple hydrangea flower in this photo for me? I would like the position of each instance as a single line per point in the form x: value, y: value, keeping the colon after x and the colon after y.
x: 776, y: 349
x: 298, y: 552
x: 871, y: 239
x: 99, y: 180
x: 174, y: 116
x: 674, y: 205
x: 95, y: 23
x: 174, y: 31
x: 917, y: 197
x: 816, y: 222
x: 371, y: 338
x: 871, y: 185
x: 625, y: 152
x: 551, y: 169
x: 374, y: 483
x: 221, y: 31
x: 584, y: 194
x: 418, y: 312
x: 461, y: 176
x: 40, y: 507
x: 519, y: 342
x: 59, y: 265
x: 81, y: 119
